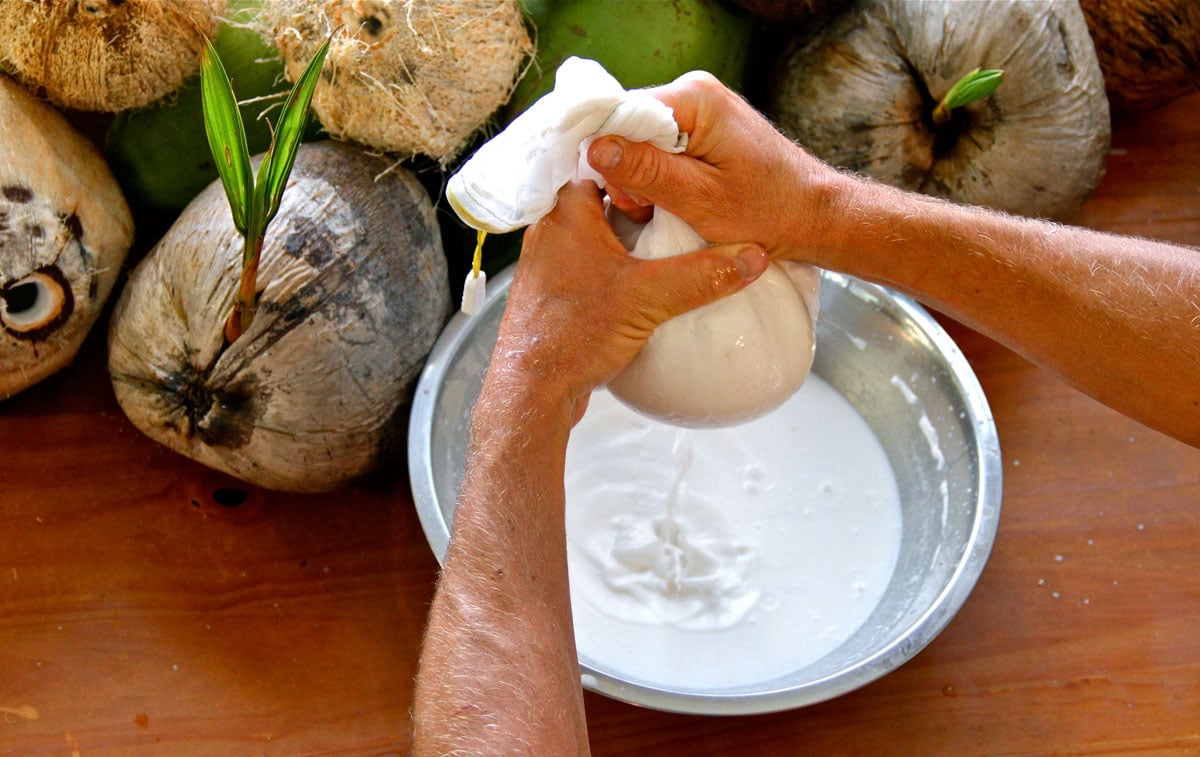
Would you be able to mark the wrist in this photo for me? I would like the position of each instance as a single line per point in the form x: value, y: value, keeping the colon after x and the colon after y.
x: 817, y: 231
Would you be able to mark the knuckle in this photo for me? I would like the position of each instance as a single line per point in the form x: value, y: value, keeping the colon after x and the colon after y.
x: 646, y: 170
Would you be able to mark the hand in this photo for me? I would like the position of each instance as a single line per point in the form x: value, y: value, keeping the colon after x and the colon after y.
x: 739, y: 178
x: 580, y: 308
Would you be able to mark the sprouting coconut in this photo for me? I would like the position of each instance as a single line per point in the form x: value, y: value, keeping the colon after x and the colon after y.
x: 1149, y: 50
x: 861, y: 91
x: 411, y: 77
x: 353, y: 294
x: 105, y: 55
x: 64, y: 232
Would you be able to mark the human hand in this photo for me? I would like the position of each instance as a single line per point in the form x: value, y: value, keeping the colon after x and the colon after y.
x: 739, y: 179
x: 580, y: 307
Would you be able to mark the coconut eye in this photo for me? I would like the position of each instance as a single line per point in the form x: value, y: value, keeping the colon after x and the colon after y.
x: 369, y: 17
x: 34, y: 305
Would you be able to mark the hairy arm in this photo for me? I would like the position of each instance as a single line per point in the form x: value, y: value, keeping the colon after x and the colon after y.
x: 1116, y: 317
x: 498, y: 671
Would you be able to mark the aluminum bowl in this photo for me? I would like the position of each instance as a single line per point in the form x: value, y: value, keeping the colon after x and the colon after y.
x: 892, y: 361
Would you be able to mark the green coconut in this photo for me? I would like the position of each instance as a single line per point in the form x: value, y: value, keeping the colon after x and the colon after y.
x: 640, y: 42
x: 160, y: 153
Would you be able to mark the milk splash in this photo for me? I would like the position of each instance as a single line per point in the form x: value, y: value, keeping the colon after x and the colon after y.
x: 682, y: 567
x: 714, y: 558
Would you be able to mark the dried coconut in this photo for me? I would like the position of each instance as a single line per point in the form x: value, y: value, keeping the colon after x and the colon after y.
x: 65, y: 230
x: 105, y: 55
x: 411, y: 77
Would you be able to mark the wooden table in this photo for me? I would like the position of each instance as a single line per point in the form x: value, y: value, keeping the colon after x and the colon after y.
x: 143, y: 611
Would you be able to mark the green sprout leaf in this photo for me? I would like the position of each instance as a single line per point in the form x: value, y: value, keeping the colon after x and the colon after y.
x: 253, y: 201
x: 226, y: 135
x: 281, y: 155
x: 973, y: 87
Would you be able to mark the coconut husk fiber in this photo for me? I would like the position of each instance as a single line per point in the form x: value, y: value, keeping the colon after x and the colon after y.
x: 105, y: 55
x: 410, y: 77
x: 1149, y: 50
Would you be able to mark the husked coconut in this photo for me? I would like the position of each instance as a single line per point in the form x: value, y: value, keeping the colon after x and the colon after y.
x: 412, y: 77
x: 64, y: 232
x: 1149, y: 50
x: 860, y: 91
x: 353, y: 294
x: 105, y: 55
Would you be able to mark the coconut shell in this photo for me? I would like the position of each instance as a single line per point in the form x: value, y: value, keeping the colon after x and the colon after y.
x: 859, y: 93
x: 64, y: 233
x: 1149, y: 50
x: 354, y: 293
x: 105, y: 55
x: 412, y: 77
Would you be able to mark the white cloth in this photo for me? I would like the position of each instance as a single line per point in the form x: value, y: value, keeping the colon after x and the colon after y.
x: 725, y: 363
x: 513, y: 179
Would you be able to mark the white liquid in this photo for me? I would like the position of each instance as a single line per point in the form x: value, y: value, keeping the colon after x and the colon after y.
x: 714, y: 558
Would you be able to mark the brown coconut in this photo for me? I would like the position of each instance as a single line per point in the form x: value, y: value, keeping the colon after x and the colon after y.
x: 859, y: 92
x: 64, y: 232
x: 105, y: 55
x: 411, y: 77
x: 353, y: 294
x: 1149, y: 50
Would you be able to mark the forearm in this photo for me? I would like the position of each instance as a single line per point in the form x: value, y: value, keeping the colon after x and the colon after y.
x: 498, y: 668
x: 1117, y: 317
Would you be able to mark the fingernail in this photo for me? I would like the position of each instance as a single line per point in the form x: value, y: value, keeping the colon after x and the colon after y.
x: 751, y: 262
x: 606, y: 154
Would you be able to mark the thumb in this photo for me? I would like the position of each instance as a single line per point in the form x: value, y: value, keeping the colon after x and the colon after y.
x: 640, y: 168
x: 673, y: 286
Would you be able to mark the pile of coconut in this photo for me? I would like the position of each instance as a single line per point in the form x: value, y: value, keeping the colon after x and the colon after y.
x: 352, y: 286
x: 351, y: 283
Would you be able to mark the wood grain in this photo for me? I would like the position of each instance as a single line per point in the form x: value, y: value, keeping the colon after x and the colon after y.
x: 150, y: 605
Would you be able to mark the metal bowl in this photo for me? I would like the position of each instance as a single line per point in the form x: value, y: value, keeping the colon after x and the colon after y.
x: 935, y: 426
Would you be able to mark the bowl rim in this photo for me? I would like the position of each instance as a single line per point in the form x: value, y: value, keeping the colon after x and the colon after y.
x: 919, y: 633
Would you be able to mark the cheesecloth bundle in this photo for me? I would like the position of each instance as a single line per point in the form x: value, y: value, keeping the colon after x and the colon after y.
x: 725, y: 363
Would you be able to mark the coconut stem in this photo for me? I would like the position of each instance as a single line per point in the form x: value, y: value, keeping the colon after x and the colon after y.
x: 246, y: 303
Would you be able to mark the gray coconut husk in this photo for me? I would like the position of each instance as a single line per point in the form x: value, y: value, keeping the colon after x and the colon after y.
x: 410, y: 77
x: 1149, y: 50
x: 859, y: 93
x: 105, y: 55
x: 354, y: 293
x: 65, y: 230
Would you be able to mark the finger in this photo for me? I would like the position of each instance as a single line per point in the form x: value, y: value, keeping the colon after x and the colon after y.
x: 686, y: 97
x: 673, y: 286
x: 644, y: 170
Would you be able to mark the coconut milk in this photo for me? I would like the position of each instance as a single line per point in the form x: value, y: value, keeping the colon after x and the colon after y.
x: 714, y: 558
